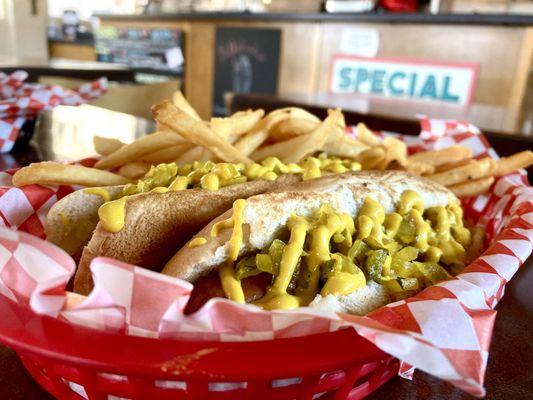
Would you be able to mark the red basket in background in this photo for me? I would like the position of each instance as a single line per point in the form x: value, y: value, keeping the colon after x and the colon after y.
x: 64, y: 357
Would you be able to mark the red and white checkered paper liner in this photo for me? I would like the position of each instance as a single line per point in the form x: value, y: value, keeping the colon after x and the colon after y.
x: 20, y: 101
x: 445, y: 330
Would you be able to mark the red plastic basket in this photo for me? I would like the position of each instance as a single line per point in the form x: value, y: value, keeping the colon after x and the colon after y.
x: 67, y: 360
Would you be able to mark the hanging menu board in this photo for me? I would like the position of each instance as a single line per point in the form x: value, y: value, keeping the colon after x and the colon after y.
x: 158, y: 49
x: 246, y: 60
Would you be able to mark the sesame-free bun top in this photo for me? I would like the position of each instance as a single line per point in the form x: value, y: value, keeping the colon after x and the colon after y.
x: 266, y: 215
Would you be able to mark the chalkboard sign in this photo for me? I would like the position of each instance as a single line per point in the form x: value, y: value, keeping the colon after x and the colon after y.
x: 156, y: 49
x: 246, y: 60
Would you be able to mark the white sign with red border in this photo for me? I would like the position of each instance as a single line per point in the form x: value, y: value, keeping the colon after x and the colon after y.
x: 445, y: 82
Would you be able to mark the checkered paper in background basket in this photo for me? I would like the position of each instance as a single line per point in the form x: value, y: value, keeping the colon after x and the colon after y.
x: 445, y: 330
x: 20, y: 101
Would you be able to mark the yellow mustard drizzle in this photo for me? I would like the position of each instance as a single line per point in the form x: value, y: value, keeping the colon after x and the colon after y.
x: 159, y: 189
x: 375, y: 218
x: 112, y: 215
x: 392, y: 224
x: 329, y: 223
x: 98, y: 191
x: 311, y: 167
x: 405, y: 251
x: 230, y: 284
x: 236, y: 239
x: 65, y: 220
x: 422, y: 229
x: 220, y: 225
x: 347, y: 233
x: 343, y: 283
x: 210, y: 181
x: 433, y: 254
x: 277, y: 296
x: 409, y: 200
x: 213, y: 176
x: 197, y: 241
x: 180, y: 183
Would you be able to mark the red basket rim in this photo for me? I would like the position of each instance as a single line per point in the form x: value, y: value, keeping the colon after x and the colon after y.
x: 31, y: 333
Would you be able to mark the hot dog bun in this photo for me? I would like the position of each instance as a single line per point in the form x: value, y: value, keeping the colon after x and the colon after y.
x: 158, y: 224
x: 71, y: 221
x: 265, y: 215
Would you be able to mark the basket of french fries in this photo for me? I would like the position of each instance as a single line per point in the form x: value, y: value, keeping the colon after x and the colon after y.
x: 262, y: 255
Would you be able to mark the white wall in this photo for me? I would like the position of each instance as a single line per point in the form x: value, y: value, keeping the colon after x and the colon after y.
x: 85, y: 8
x: 22, y: 34
x: 7, y: 38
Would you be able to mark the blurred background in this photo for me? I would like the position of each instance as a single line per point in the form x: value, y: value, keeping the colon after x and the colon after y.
x: 380, y: 60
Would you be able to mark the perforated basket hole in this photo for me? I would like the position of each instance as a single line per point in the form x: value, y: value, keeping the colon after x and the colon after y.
x: 332, y: 379
x: 319, y: 395
x: 80, y: 390
x: 226, y: 386
x: 173, y: 385
x: 77, y: 388
x: 113, y: 377
x: 279, y: 383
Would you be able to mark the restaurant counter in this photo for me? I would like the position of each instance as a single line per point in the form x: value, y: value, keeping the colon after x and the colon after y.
x: 69, y: 68
x: 82, y: 50
x: 499, y: 48
x: 415, y: 18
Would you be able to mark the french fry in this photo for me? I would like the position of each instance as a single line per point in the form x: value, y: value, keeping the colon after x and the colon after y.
x: 180, y: 139
x: 419, y: 168
x: 179, y: 100
x: 196, y: 132
x: 296, y: 112
x: 105, y: 146
x: 493, y: 166
x: 345, y: 147
x: 506, y: 165
x: 295, y: 149
x: 472, y: 171
x: 168, y: 154
x: 259, y: 134
x: 134, y: 170
x: 52, y: 173
x: 233, y: 138
x: 159, y: 126
x: 197, y: 153
x: 342, y: 120
x: 395, y: 166
x: 472, y: 188
x: 292, y: 127
x: 241, y: 113
x: 338, y: 132
x: 366, y: 136
x: 237, y: 124
x: 371, y: 157
x: 449, y: 155
x: 395, y: 151
x: 447, y: 167
x: 137, y: 149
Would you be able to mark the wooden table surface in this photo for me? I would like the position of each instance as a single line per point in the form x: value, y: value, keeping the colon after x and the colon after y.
x: 509, y: 374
